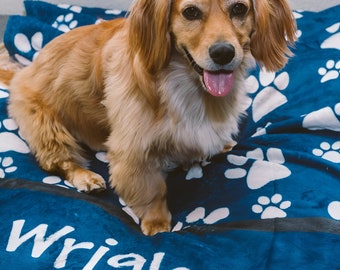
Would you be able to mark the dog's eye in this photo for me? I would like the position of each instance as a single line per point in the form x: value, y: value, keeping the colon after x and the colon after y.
x: 239, y: 10
x: 192, y: 13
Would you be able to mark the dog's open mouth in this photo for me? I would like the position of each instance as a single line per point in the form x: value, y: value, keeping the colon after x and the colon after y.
x: 218, y: 83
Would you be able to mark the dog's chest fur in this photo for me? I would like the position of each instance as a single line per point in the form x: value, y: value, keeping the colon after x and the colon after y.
x: 196, y: 125
x: 190, y: 125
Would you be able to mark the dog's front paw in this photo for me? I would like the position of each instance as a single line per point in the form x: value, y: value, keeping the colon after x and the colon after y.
x: 156, y: 218
x: 154, y: 226
x: 87, y: 181
x: 228, y: 147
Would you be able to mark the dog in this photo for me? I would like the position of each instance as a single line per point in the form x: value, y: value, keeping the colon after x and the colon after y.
x: 162, y: 86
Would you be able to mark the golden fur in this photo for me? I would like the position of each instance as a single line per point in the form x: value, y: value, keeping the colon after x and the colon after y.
x: 135, y: 88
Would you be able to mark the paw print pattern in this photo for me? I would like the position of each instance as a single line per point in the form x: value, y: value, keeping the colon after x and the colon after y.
x: 3, y: 92
x: 328, y: 152
x: 194, y: 172
x: 330, y: 72
x: 262, y: 130
x: 9, y: 140
x: 24, y: 45
x: 333, y: 42
x: 199, y: 216
x: 65, y: 23
x: 113, y: 12
x: 298, y: 15
x: 334, y: 210
x: 102, y: 156
x: 129, y: 211
x: 6, y: 166
x: 271, y: 207
x: 74, y: 8
x: 56, y: 180
x: 270, y: 97
x: 325, y: 118
x: 261, y: 171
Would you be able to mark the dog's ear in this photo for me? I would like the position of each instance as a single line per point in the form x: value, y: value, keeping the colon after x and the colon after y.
x: 275, y: 31
x: 149, y: 35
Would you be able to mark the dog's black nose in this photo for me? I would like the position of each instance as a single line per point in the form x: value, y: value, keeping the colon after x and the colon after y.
x: 222, y: 53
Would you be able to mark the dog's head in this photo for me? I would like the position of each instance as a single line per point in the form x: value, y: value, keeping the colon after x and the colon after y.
x: 216, y: 36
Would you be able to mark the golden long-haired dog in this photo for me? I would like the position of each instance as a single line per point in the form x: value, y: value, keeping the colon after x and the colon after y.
x: 162, y: 86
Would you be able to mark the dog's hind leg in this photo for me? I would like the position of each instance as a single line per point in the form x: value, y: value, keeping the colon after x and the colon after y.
x: 54, y: 146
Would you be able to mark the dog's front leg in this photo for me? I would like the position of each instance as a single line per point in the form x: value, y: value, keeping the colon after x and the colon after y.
x: 142, y: 186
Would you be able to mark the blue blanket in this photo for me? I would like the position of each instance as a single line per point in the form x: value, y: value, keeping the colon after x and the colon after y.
x: 271, y: 203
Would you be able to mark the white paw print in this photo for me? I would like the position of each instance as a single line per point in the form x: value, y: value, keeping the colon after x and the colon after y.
x: 129, y: 211
x: 102, y: 156
x: 298, y: 15
x: 56, y: 180
x: 270, y: 97
x: 6, y: 166
x: 261, y: 171
x: 3, y: 92
x: 333, y: 42
x: 261, y: 130
x: 65, y: 23
x: 74, y: 8
x: 194, y: 172
x: 325, y: 118
x: 199, y: 215
x: 334, y: 210
x: 271, y: 207
x: 23, y: 44
x: 330, y: 72
x: 328, y: 152
x: 9, y: 140
x: 113, y: 12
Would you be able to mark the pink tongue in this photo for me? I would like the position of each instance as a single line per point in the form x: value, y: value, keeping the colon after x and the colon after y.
x: 219, y: 84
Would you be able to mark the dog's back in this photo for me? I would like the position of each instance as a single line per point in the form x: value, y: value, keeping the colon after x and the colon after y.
x: 46, y: 86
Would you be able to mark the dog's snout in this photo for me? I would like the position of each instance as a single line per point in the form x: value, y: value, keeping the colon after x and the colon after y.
x: 222, y: 53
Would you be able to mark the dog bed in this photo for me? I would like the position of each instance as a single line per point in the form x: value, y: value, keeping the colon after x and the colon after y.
x: 273, y: 202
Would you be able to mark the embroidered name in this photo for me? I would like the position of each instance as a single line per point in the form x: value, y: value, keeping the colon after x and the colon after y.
x: 42, y: 242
